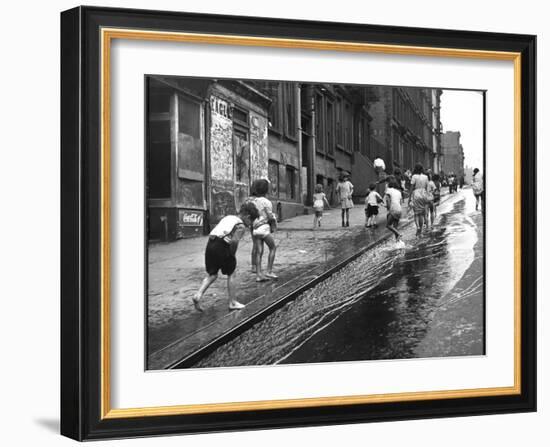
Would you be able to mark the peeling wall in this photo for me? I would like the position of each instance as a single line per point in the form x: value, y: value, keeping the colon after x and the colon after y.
x: 221, y: 160
x: 226, y: 193
x: 221, y: 144
x: 258, y: 146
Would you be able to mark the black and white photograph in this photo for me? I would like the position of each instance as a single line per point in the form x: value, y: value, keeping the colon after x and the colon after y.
x: 295, y: 222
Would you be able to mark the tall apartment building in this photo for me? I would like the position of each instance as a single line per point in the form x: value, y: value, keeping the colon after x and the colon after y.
x: 452, y: 156
x: 208, y: 140
x: 406, y: 121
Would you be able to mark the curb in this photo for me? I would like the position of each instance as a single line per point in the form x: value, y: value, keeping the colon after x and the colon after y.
x: 192, y: 358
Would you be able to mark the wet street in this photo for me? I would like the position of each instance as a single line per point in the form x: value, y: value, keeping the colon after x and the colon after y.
x: 423, y: 298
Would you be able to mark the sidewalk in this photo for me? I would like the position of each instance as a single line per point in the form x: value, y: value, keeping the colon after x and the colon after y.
x: 176, y: 330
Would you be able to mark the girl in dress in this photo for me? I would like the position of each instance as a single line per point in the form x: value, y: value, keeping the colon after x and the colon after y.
x: 418, y: 198
x: 344, y: 190
x: 431, y: 190
x: 319, y: 200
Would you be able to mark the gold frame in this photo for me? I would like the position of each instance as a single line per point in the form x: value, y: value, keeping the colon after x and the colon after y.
x: 107, y: 35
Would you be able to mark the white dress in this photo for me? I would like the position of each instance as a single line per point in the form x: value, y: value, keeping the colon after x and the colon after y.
x: 345, y: 191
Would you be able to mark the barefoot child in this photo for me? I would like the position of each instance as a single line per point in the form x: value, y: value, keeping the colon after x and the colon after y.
x: 220, y: 252
x: 393, y: 203
x: 262, y: 227
x: 319, y: 200
x: 434, y: 196
x: 372, y: 201
x: 477, y: 187
x: 344, y: 189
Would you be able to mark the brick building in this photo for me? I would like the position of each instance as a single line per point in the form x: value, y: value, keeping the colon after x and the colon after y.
x: 406, y: 121
x: 208, y: 140
x: 452, y: 158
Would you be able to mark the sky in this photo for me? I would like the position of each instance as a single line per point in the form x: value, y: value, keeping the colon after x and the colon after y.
x: 463, y: 111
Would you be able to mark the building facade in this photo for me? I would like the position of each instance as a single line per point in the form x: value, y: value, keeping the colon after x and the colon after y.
x: 336, y: 137
x: 208, y: 140
x: 406, y: 121
x: 452, y: 157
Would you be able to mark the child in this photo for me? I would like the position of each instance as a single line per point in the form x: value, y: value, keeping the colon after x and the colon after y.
x: 262, y: 227
x: 251, y: 199
x: 393, y: 203
x: 477, y: 187
x: 344, y: 189
x: 319, y: 200
x: 372, y: 201
x: 220, y: 252
x: 434, y: 196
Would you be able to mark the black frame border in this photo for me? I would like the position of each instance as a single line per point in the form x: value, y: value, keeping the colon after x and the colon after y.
x: 81, y: 223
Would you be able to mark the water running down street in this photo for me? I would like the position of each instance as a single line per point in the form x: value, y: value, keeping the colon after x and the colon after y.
x: 423, y: 298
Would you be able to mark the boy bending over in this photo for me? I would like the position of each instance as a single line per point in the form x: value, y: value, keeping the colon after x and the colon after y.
x: 220, y: 252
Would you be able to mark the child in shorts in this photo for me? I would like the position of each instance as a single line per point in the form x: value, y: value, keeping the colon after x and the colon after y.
x: 220, y: 252
x: 393, y: 203
x: 372, y: 201
x: 319, y: 200
x: 262, y: 227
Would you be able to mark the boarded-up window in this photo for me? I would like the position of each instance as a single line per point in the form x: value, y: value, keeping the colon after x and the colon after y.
x: 190, y: 154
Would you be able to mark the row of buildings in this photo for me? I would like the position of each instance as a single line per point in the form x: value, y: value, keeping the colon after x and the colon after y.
x: 208, y: 140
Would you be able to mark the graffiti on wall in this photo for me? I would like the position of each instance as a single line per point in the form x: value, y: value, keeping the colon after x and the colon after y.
x: 221, y: 142
x: 258, y: 146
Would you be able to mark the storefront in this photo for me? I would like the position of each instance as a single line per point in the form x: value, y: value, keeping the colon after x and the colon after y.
x: 206, y: 143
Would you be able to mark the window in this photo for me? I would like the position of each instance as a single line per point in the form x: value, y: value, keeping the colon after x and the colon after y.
x: 273, y: 176
x: 240, y: 117
x: 273, y: 91
x: 290, y: 109
x: 159, y: 147
x: 339, y: 122
x: 189, y: 117
x: 330, y: 128
x: 291, y: 183
x: 348, y: 121
x: 241, y: 155
x: 319, y: 134
x: 241, y: 146
x: 190, y: 157
x: 362, y: 136
x: 159, y: 160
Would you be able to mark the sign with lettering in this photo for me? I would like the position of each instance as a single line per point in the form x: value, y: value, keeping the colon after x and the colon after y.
x: 190, y: 218
x: 221, y: 107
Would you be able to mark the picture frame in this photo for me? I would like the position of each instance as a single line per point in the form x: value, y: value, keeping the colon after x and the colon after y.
x: 86, y: 389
